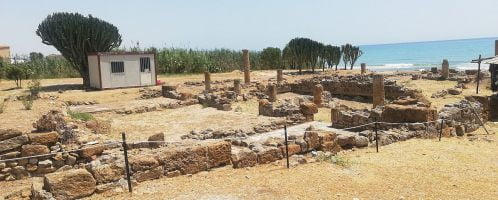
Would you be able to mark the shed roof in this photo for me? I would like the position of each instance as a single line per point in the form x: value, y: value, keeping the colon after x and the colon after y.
x: 493, y: 60
x: 119, y: 53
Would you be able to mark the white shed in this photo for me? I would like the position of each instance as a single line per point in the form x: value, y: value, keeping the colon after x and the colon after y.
x: 121, y: 69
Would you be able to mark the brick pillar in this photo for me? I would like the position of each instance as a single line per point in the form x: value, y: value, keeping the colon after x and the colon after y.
x: 317, y: 94
x: 272, y: 92
x: 207, y: 80
x: 280, y: 76
x: 363, y: 68
x: 236, y: 86
x: 378, y: 90
x: 247, y: 66
x: 445, y: 69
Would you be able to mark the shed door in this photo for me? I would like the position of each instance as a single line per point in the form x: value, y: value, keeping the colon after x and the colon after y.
x: 145, y: 72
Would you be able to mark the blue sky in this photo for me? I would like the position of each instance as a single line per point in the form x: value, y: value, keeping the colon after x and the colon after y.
x: 256, y: 24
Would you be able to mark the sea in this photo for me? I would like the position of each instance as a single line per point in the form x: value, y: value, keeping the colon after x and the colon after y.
x: 424, y: 55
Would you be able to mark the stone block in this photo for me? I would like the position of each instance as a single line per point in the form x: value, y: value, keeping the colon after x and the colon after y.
x: 70, y: 184
x: 107, y: 173
x: 219, y: 154
x: 90, y: 151
x: 408, y: 114
x: 312, y: 139
x: 293, y: 149
x: 151, y: 174
x: 244, y: 158
x: 143, y: 162
x: 269, y: 155
x: 34, y: 149
x: 49, y: 138
x: 9, y: 133
x: 188, y: 160
x: 13, y: 143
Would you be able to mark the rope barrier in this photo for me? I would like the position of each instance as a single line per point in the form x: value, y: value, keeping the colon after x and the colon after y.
x: 111, y: 143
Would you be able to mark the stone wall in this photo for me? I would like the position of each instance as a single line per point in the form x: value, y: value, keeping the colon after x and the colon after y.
x: 356, y: 85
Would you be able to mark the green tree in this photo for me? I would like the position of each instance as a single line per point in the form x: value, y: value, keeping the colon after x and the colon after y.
x: 75, y: 35
x: 17, y: 72
x: 346, y: 54
x: 271, y: 58
x: 332, y: 55
x: 354, y: 54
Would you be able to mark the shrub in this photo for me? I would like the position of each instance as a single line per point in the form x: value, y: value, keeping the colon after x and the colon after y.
x: 27, y: 101
x: 80, y: 115
x: 34, y: 88
x: 3, y: 105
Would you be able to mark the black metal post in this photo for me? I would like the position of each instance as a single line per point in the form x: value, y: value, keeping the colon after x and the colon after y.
x: 286, y: 145
x: 478, y: 74
x: 376, y: 136
x: 441, y: 130
x: 125, y: 150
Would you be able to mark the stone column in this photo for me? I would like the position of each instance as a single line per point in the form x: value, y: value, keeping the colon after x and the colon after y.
x: 236, y: 86
x: 334, y: 113
x: 272, y: 92
x: 317, y: 94
x: 496, y: 47
x: 207, y: 80
x: 445, y: 69
x: 280, y: 76
x: 247, y: 66
x: 378, y: 90
x: 363, y: 68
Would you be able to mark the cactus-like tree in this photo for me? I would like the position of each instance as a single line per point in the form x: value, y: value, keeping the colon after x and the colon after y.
x: 332, y: 55
x: 75, y: 35
x: 346, y: 52
x: 354, y: 54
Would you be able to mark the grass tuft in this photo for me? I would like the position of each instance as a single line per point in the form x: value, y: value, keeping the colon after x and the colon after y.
x: 80, y: 115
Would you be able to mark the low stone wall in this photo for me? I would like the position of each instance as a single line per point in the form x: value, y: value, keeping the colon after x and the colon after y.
x: 357, y: 85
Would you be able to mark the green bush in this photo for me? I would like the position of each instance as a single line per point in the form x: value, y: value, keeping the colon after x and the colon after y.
x: 34, y: 88
x: 80, y: 115
x: 27, y: 101
x: 3, y: 105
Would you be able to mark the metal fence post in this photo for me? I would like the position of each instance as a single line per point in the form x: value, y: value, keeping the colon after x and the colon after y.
x: 441, y: 130
x: 125, y: 150
x: 376, y: 136
x: 286, y: 145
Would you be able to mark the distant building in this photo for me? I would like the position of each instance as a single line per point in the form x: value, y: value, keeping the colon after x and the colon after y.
x: 121, y: 69
x: 5, y: 53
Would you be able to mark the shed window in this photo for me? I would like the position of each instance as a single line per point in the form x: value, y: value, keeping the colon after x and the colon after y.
x: 117, y: 67
x: 145, y: 64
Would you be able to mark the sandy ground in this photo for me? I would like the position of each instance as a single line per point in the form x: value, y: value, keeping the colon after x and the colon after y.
x: 455, y: 168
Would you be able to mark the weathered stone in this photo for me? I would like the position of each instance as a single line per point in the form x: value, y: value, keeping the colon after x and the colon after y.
x: 379, y: 93
x: 269, y: 155
x: 272, y: 92
x: 143, y: 162
x: 49, y: 138
x: 71, y: 184
x: 346, y: 141
x: 312, y: 139
x: 89, y: 151
x: 173, y: 174
x: 107, y: 172
x: 280, y: 76
x: 363, y: 67
x: 244, y: 158
x: 9, y: 133
x: 445, y: 69
x: 50, y: 121
x: 454, y: 91
x: 34, y: 149
x: 207, y: 80
x: 317, y: 94
x: 332, y: 147
x: 189, y: 160
x: 219, y: 154
x: 460, y: 130
x: 156, y: 140
x: 13, y: 143
x: 327, y: 136
x: 247, y: 66
x: 361, y: 141
x: 151, y: 174
x: 408, y: 114
x: 37, y: 191
x: 293, y: 149
x: 236, y: 86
